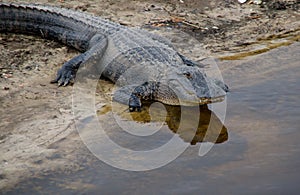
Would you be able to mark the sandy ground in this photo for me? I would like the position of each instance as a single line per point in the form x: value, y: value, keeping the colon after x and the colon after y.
x: 37, y: 132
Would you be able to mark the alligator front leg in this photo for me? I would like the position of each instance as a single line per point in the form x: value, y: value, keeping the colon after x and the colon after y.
x: 95, y: 52
x: 145, y: 91
x: 135, y: 103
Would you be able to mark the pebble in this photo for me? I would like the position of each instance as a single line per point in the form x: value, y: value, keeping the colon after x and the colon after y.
x: 242, y: 1
x: 5, y: 75
x: 257, y: 2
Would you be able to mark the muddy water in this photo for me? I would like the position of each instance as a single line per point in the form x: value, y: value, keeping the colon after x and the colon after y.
x: 258, y: 152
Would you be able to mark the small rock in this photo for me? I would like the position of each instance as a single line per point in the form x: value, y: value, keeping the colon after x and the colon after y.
x: 5, y: 75
x: 257, y: 2
x: 242, y: 1
x: 54, y: 117
x: 62, y: 110
x: 2, y: 176
x: 6, y: 88
x: 28, y: 67
x: 82, y: 7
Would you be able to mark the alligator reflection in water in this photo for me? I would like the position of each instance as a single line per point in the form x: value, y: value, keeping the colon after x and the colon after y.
x: 209, y: 128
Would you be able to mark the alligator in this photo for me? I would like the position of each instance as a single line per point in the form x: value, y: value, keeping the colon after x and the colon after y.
x: 144, y: 65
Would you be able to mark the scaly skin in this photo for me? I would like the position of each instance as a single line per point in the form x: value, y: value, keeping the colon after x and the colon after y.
x: 144, y: 66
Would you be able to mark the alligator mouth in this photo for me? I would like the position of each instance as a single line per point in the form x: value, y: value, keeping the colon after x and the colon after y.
x: 201, y: 101
x: 211, y: 100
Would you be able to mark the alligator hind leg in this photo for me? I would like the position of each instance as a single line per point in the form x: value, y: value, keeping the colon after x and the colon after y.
x: 68, y: 70
x: 95, y: 52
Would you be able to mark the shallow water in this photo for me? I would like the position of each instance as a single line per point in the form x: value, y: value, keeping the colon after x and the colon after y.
x: 259, y: 154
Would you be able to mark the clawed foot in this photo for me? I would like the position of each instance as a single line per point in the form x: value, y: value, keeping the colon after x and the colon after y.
x: 134, y: 103
x: 67, y: 72
x: 64, y: 76
x: 145, y: 91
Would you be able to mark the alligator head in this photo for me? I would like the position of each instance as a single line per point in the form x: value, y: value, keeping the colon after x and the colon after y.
x: 189, y: 86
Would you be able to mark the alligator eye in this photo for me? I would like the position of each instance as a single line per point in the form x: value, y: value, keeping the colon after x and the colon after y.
x: 188, y: 75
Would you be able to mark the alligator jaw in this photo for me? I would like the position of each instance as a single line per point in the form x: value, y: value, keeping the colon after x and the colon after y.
x: 211, y: 100
x: 202, y: 101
